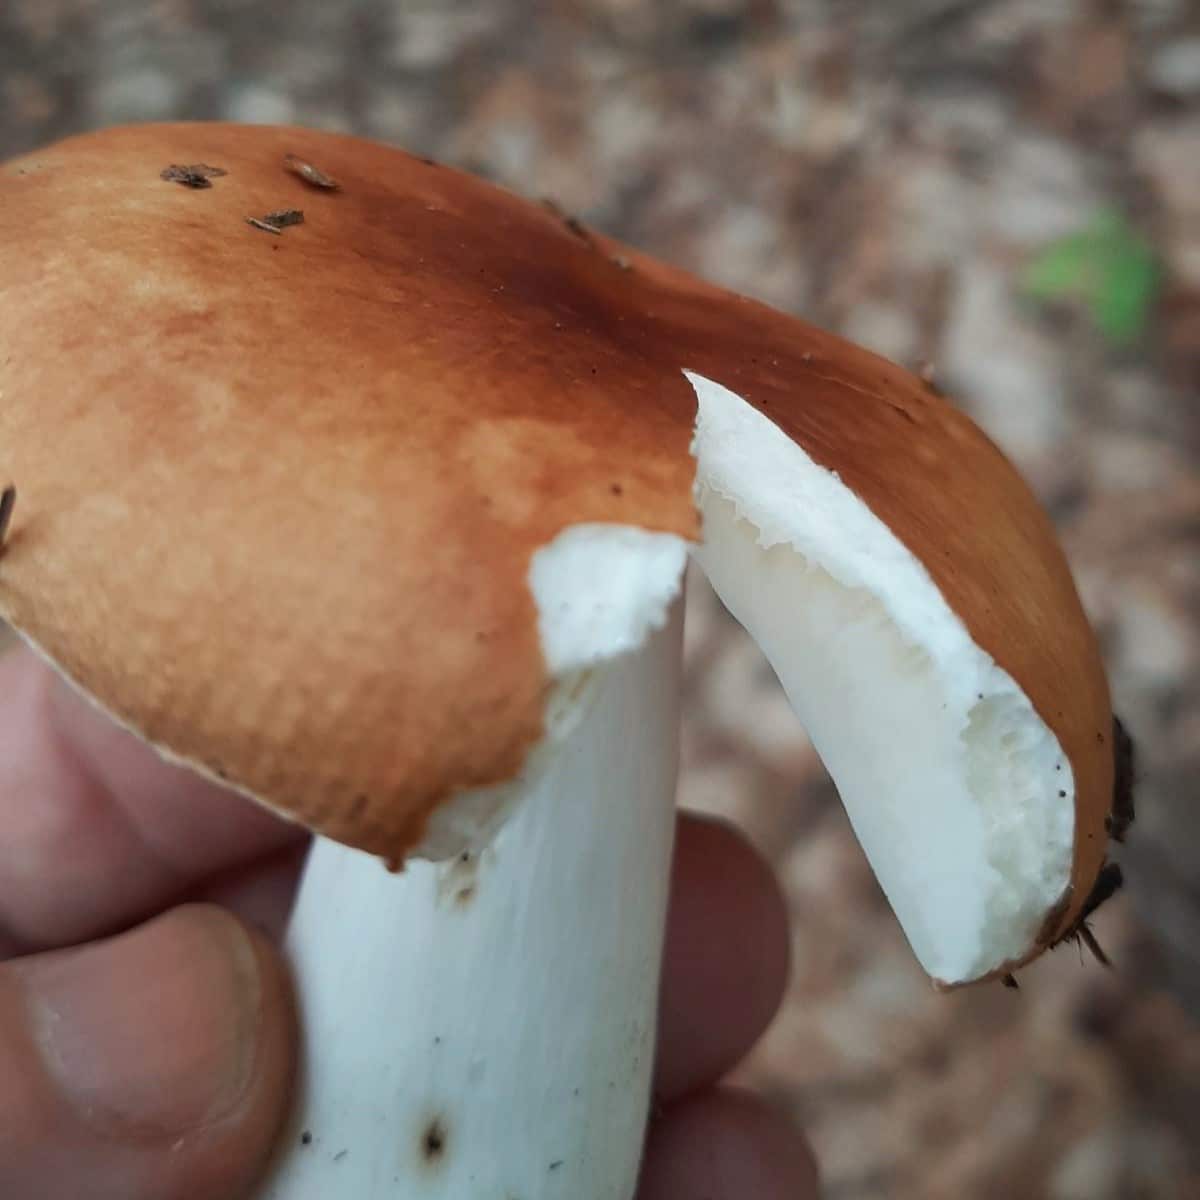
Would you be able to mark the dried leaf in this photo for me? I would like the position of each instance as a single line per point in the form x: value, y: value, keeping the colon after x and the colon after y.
x: 277, y: 221
x: 281, y: 218
x: 309, y: 173
x: 193, y: 175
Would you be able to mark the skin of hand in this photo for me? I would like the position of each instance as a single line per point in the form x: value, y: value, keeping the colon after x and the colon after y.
x: 146, y: 1022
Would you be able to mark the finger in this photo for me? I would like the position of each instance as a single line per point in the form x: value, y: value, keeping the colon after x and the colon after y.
x: 97, y: 830
x: 261, y: 894
x: 726, y: 1145
x: 154, y: 1065
x: 726, y: 958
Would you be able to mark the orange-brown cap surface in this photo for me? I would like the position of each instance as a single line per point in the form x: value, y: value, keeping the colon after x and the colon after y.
x: 279, y: 490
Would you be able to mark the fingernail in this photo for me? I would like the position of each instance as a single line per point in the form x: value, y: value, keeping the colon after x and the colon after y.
x: 153, y: 1033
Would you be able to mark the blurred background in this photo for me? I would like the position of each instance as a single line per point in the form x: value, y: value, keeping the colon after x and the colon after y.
x: 1007, y: 191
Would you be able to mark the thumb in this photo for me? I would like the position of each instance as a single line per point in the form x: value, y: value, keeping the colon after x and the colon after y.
x: 148, y: 1066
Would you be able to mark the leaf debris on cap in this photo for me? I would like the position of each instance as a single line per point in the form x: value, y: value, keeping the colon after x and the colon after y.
x: 276, y: 222
x: 1122, y: 814
x: 572, y: 222
x: 193, y: 175
x: 1107, y: 884
x: 309, y: 173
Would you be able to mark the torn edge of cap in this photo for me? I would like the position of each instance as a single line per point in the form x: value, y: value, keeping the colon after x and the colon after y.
x: 601, y: 591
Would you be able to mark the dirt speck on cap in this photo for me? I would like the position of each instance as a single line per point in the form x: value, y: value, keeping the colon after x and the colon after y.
x: 572, y: 222
x: 276, y: 222
x: 193, y: 175
x: 310, y: 174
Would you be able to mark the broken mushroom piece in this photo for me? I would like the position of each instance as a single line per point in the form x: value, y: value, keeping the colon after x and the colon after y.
x: 387, y: 530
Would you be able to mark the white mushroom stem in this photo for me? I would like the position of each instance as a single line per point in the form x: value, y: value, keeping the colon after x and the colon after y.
x: 486, y: 1027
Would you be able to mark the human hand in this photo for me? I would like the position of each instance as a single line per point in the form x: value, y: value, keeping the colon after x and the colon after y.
x: 146, y: 1027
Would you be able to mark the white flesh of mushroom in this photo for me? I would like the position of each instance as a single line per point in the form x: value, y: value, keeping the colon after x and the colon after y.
x: 486, y: 1025
x: 958, y: 791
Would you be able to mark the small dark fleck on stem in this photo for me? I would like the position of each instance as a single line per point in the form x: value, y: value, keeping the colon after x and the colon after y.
x: 8, y: 501
x: 306, y: 1138
x: 309, y: 173
x: 340, y: 1155
x: 193, y: 175
x: 558, y: 1162
x: 433, y: 1140
x: 1010, y: 981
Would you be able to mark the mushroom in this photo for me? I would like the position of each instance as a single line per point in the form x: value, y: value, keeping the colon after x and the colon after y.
x: 383, y: 523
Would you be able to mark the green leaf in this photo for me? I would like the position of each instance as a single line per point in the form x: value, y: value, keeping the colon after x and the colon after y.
x: 1109, y: 267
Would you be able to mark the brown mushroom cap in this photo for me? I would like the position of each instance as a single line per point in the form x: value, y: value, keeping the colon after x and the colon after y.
x: 279, y: 493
